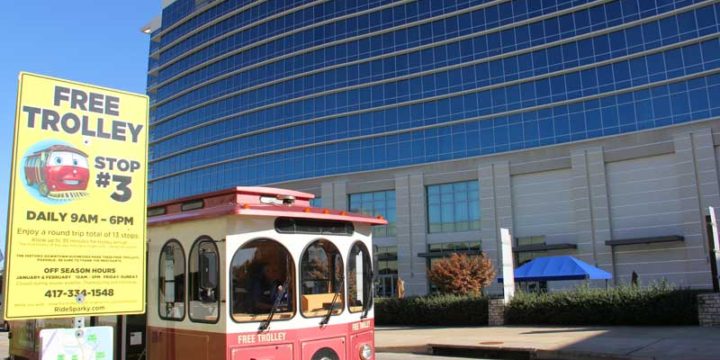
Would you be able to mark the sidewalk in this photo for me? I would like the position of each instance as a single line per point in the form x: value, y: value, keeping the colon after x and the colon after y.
x: 545, y: 342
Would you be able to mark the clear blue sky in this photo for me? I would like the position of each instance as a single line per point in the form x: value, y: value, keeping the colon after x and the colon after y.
x: 97, y: 42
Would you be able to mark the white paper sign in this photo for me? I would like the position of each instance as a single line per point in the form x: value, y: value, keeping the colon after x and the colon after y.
x: 90, y: 343
x: 136, y: 338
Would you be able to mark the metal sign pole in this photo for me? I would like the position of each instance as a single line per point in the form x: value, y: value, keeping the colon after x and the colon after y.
x: 508, y: 270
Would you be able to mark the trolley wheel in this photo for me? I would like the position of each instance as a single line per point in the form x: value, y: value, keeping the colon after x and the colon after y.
x: 43, y: 188
x: 325, y: 354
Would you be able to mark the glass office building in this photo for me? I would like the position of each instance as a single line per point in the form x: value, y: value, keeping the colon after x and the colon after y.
x: 408, y: 99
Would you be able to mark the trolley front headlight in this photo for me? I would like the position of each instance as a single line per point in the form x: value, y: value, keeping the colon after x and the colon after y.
x: 366, y: 352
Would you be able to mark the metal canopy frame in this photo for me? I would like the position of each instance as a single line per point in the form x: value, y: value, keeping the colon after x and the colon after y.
x: 544, y: 247
x: 645, y: 240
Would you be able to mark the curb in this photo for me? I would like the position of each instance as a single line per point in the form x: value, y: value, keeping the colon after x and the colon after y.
x: 490, y: 352
x: 410, y: 349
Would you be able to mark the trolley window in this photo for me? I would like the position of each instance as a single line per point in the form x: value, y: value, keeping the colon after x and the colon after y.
x: 203, y: 281
x: 171, y: 292
x: 262, y: 273
x: 156, y: 211
x: 322, y: 280
x: 313, y: 226
x: 192, y: 205
x: 360, y: 278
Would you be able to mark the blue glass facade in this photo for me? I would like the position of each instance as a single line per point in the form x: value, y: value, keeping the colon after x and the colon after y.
x: 248, y: 93
x: 378, y: 203
x: 453, y: 207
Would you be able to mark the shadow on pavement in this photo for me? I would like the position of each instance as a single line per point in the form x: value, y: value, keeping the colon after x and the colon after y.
x: 557, y: 331
x: 671, y: 342
x: 546, y: 342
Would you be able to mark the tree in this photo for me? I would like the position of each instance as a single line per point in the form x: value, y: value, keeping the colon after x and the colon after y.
x: 461, y: 274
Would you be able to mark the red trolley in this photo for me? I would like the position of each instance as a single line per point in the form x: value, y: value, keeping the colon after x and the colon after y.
x: 58, y: 171
x: 257, y: 273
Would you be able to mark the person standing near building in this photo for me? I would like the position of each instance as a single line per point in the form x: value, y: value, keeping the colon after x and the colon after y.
x: 400, y: 288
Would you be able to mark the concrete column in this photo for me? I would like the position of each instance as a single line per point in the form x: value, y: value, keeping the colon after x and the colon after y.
x: 340, y: 197
x: 696, y: 168
x: 334, y: 195
x: 592, y: 207
x: 411, y: 232
x: 495, y: 211
x: 326, y: 192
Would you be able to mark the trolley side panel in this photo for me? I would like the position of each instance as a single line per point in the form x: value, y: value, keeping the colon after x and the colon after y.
x: 181, y: 344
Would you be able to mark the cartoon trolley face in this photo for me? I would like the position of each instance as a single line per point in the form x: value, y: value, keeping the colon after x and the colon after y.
x: 59, y: 172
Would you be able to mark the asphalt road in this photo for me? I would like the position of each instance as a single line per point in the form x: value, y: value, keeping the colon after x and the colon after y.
x: 4, y: 345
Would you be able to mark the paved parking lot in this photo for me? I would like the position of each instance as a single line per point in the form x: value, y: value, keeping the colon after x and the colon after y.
x: 396, y: 356
x: 590, y: 342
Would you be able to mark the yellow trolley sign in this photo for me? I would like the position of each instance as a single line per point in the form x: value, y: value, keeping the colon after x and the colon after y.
x: 76, y: 225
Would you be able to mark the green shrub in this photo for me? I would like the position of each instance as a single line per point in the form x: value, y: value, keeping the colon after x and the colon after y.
x: 658, y: 304
x: 446, y: 310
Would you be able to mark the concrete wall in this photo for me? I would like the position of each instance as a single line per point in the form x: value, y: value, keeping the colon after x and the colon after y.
x: 542, y: 205
x: 644, y: 202
x: 652, y: 183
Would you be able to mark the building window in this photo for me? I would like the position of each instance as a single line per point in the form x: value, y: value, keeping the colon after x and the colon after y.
x: 387, y: 269
x: 439, y: 251
x: 453, y: 207
x: 523, y: 257
x: 172, y: 282
x: 316, y: 202
x: 374, y: 204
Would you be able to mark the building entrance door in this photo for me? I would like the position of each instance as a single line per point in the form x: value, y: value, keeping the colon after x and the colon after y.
x: 385, y: 285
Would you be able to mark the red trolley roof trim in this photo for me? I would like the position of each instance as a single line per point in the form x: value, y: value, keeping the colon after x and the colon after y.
x: 61, y: 148
x: 254, y: 201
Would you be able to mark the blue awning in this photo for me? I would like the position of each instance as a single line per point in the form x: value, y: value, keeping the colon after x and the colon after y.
x: 562, y: 267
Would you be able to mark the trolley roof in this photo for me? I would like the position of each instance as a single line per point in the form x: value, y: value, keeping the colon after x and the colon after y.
x: 61, y: 148
x: 249, y: 200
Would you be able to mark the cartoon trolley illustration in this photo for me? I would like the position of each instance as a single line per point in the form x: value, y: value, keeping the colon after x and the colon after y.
x: 58, y: 172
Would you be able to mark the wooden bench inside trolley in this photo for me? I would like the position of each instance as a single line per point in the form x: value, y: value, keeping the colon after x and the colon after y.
x: 253, y: 272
